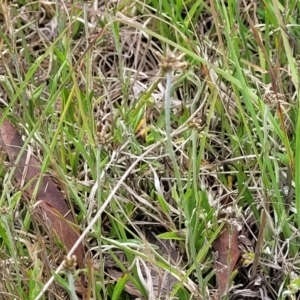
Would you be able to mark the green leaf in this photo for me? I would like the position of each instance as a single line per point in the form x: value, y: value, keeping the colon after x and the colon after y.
x: 119, y: 287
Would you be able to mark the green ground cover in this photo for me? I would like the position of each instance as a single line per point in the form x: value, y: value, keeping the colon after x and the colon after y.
x: 171, y: 130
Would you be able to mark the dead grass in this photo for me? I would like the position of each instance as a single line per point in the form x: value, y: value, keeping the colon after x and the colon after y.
x: 85, y: 85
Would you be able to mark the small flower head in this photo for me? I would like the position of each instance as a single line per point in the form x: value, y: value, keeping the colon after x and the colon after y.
x: 172, y: 61
x: 70, y: 263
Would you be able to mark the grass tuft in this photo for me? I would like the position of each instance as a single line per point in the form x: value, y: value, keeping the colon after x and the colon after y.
x: 161, y: 125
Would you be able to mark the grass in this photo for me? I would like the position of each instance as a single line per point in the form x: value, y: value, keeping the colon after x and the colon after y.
x: 162, y: 124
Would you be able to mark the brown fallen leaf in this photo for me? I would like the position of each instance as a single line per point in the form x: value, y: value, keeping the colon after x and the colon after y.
x: 228, y: 252
x: 50, y: 205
